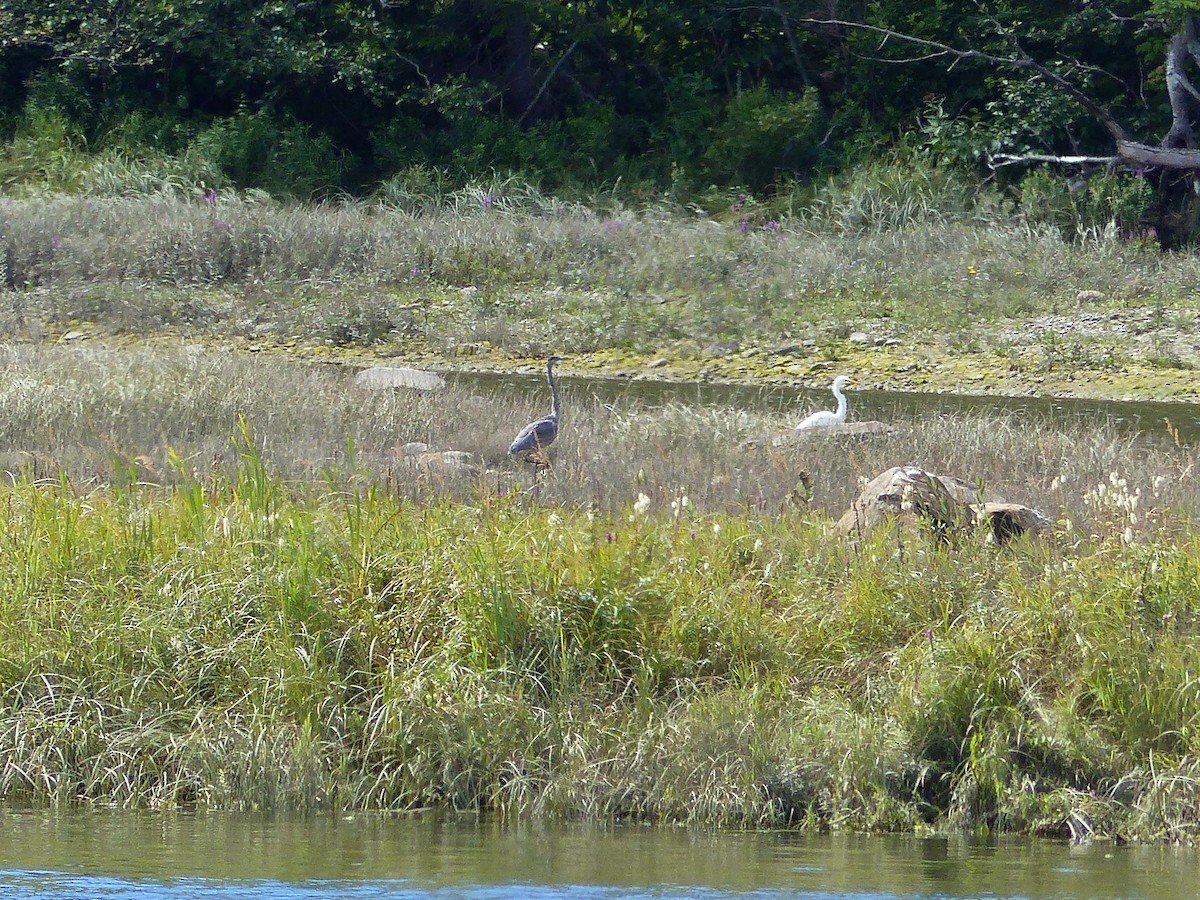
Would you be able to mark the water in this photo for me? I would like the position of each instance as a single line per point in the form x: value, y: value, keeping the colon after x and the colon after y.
x: 1134, y: 416
x: 120, y: 854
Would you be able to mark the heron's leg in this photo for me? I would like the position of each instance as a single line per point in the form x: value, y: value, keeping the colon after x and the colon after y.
x: 538, y: 455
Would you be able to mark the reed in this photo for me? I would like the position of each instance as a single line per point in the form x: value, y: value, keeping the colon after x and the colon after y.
x: 155, y: 416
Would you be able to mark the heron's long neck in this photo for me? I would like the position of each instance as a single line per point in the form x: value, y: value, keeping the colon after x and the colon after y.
x: 841, y: 399
x: 555, y: 403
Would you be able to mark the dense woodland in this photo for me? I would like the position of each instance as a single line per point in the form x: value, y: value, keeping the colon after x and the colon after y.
x: 313, y: 98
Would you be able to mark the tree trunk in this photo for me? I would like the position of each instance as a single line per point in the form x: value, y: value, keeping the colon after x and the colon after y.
x: 1180, y: 90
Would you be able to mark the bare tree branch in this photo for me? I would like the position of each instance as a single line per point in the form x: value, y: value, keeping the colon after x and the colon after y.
x: 1147, y: 156
x: 1006, y: 159
x: 413, y: 63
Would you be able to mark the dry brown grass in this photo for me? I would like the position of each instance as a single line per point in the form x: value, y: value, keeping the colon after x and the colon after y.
x: 95, y: 413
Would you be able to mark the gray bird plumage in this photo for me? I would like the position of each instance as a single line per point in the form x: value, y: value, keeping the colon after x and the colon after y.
x: 539, y: 434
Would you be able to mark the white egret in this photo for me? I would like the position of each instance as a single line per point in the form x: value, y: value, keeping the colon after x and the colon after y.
x: 826, y: 418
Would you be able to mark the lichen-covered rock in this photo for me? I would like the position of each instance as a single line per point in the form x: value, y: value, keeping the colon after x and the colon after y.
x: 949, y: 505
x: 1009, y: 520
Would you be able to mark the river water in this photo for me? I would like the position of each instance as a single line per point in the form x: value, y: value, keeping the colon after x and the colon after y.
x: 1140, y: 416
x: 123, y: 854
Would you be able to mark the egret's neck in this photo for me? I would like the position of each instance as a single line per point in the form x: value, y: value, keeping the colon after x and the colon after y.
x: 555, y: 403
x: 841, y: 399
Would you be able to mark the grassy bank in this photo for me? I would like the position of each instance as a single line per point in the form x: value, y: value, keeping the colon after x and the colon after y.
x: 892, y: 276
x: 222, y: 585
x: 242, y: 642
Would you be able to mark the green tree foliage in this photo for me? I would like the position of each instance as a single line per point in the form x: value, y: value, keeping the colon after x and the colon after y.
x: 1094, y: 45
x: 765, y: 137
x: 312, y: 96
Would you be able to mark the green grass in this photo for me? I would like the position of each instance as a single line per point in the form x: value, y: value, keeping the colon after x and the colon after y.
x: 238, y: 641
x: 263, y: 607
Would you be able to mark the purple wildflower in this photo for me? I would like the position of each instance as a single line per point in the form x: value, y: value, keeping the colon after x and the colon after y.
x: 772, y: 226
x: 487, y: 200
x: 611, y: 537
x: 55, y: 243
x: 743, y: 226
x: 210, y: 196
x: 223, y: 226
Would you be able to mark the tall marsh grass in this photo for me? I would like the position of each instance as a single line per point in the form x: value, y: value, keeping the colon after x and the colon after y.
x: 238, y: 642
x: 221, y: 586
x: 530, y: 275
x: 226, y: 582
x: 155, y: 415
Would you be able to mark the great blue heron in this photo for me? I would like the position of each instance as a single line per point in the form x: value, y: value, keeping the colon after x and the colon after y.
x: 532, y: 440
x: 825, y: 418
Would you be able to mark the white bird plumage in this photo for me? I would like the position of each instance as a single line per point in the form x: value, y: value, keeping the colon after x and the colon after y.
x: 826, y: 418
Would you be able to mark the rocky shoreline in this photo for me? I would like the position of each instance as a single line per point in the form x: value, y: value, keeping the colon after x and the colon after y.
x: 1136, y: 353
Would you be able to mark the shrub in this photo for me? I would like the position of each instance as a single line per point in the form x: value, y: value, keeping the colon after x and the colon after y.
x: 894, y: 194
x: 254, y: 150
x: 45, y: 150
x: 765, y: 137
x: 1107, y: 201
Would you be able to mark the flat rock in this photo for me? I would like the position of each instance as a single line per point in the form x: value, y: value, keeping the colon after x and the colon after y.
x: 721, y: 348
x: 846, y: 429
x: 389, y: 377
x: 439, y: 461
